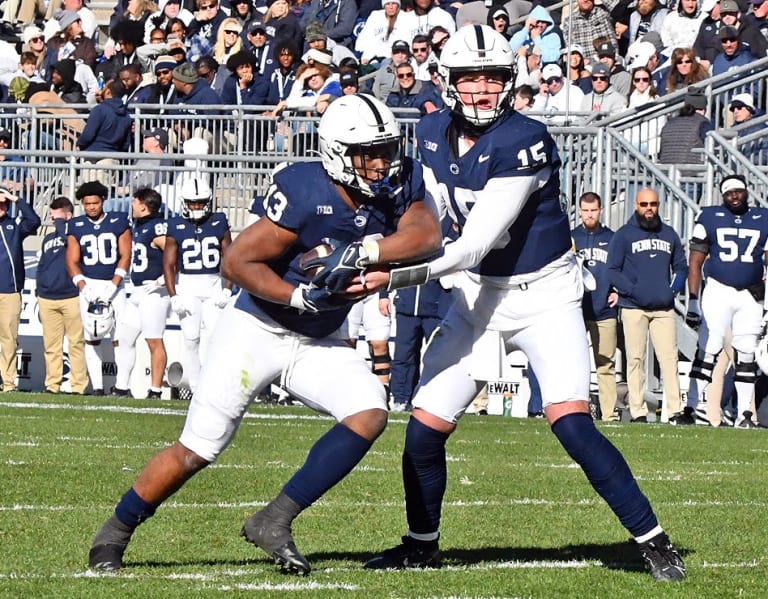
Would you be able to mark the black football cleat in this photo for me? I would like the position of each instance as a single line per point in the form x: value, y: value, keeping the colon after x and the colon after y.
x: 409, y: 554
x: 106, y: 557
x: 154, y: 394
x: 118, y: 392
x: 662, y: 558
x: 278, y: 542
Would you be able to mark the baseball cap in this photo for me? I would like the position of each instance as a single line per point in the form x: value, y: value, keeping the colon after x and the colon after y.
x: 257, y: 25
x: 348, y: 79
x: 401, y: 46
x: 727, y: 32
x: 550, y: 71
x: 160, y: 135
x: 742, y: 100
x: 601, y: 69
x: 639, y: 53
x: 728, y: 6
x: 606, y: 49
x: 574, y: 49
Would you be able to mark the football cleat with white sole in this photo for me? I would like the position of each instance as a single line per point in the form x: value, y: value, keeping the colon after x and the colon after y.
x: 745, y: 421
x: 409, y: 554
x: 662, y: 558
x: 278, y: 542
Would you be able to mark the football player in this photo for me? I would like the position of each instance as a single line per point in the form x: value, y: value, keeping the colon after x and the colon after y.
x: 283, y: 325
x: 194, y: 247
x: 497, y: 172
x: 735, y: 238
x: 98, y: 257
x: 146, y: 310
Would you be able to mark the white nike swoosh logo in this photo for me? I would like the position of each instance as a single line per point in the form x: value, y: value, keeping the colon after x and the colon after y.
x: 216, y: 222
x: 757, y: 216
x: 113, y: 220
x: 483, y: 157
x: 653, y: 255
x: 602, y: 243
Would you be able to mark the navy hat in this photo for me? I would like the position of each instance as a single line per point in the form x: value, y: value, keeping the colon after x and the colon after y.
x: 401, y: 46
x: 348, y: 78
x: 161, y: 135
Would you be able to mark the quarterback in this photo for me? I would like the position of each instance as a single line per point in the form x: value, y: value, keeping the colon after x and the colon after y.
x: 496, y: 172
x: 370, y: 202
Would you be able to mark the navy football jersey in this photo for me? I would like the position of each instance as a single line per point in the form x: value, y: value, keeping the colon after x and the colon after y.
x: 514, y: 146
x: 199, y: 243
x: 99, y: 252
x: 147, y: 261
x: 737, y: 243
x: 304, y: 200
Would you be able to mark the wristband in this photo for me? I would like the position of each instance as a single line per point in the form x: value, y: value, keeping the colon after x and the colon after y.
x: 371, y: 249
x: 77, y: 278
x: 297, y: 299
x: 408, y: 276
x: 120, y: 272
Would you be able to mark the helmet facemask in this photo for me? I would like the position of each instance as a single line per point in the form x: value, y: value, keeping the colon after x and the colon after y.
x: 474, y: 114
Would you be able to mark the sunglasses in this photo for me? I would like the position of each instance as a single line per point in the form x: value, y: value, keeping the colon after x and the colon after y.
x: 729, y: 40
x: 599, y: 78
x: 648, y: 204
x: 154, y: 40
x: 404, y: 75
x: 164, y: 71
x: 638, y: 79
x: 230, y: 32
x: 684, y: 61
x: 552, y: 80
x: 419, y: 50
x: 37, y: 39
x: 208, y: 6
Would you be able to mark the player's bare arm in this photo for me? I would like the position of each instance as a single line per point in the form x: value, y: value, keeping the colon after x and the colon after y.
x: 245, y: 261
x: 170, y: 264
x: 124, y: 244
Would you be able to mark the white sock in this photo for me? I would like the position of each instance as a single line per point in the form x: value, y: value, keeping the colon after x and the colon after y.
x: 125, y: 358
x: 93, y: 362
x: 192, y: 361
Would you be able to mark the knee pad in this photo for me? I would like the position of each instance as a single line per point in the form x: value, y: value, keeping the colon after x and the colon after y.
x: 745, y: 368
x: 702, y: 366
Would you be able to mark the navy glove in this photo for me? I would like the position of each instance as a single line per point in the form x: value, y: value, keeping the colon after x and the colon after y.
x: 693, y: 317
x: 339, y: 267
x: 310, y: 299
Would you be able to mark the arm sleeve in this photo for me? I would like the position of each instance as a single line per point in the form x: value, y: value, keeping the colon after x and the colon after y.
x: 497, y: 207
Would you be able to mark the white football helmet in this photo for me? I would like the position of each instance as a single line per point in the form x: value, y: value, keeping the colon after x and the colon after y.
x: 99, y: 319
x: 471, y: 49
x: 360, y: 125
x: 196, y: 190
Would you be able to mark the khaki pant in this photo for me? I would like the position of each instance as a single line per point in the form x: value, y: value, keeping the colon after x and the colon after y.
x: 10, y: 313
x: 59, y: 318
x: 663, y: 329
x: 602, y: 334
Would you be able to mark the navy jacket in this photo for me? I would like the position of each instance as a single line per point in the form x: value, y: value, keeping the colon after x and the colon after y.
x: 257, y: 93
x: 108, y: 128
x: 53, y: 282
x: 593, y: 247
x: 640, y: 263
x: 425, y: 300
x: 13, y: 231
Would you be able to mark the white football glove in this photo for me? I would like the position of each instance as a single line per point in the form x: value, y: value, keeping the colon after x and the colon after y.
x: 178, y: 305
x: 154, y: 285
x: 222, y: 299
x: 109, y: 293
x: 89, y: 293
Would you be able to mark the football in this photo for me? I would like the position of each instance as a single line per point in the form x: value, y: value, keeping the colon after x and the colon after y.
x: 321, y: 251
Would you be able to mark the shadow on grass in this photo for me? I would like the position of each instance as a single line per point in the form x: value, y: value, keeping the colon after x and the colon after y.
x: 614, y: 556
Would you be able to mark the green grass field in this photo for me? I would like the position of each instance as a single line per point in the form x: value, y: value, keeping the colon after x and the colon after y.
x: 520, y: 519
